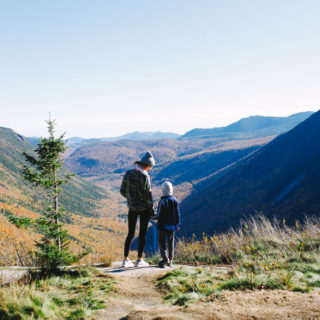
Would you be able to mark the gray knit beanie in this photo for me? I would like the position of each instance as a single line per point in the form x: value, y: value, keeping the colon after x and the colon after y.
x: 167, y: 188
x: 147, y: 159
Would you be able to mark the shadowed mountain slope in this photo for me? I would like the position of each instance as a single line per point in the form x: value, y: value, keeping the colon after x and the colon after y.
x: 281, y: 179
x: 195, y: 167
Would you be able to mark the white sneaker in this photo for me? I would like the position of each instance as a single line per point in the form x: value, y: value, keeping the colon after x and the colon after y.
x: 141, y: 263
x: 127, y: 264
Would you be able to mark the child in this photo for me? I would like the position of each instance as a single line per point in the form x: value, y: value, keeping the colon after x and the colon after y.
x: 168, y: 222
x: 136, y: 188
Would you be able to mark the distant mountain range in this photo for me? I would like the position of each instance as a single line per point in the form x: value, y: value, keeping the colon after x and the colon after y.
x: 251, y: 127
x: 101, y: 157
x: 77, y: 142
x: 137, y: 135
x: 281, y: 179
x: 246, y: 128
x: 146, y: 136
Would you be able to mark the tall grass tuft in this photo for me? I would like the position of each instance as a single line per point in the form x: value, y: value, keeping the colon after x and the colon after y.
x: 256, y: 236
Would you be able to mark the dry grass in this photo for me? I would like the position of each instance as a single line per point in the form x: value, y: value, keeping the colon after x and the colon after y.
x: 262, y: 254
x: 258, y: 231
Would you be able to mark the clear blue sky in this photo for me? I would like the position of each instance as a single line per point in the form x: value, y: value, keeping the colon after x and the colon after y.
x: 104, y: 68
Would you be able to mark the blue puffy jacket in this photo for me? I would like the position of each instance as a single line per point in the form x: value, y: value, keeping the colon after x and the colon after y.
x: 168, y: 213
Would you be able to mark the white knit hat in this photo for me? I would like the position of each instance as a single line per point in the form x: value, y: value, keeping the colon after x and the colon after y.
x: 167, y: 188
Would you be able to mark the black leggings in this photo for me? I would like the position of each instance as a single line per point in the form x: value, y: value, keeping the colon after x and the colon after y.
x: 132, y: 222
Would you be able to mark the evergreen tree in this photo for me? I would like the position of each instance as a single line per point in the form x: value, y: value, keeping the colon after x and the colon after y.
x: 46, y: 171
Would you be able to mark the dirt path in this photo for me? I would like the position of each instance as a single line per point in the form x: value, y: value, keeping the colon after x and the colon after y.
x: 137, y: 298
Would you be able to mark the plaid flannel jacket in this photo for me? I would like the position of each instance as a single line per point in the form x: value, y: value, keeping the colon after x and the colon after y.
x: 136, y: 188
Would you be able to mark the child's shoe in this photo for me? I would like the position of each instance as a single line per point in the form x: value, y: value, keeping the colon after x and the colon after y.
x: 141, y: 263
x: 163, y: 262
x: 170, y: 263
x: 127, y: 264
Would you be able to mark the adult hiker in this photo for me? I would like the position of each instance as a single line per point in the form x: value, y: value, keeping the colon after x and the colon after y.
x: 136, y: 188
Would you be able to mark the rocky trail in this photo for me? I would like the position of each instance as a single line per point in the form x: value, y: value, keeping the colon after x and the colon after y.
x: 138, y: 298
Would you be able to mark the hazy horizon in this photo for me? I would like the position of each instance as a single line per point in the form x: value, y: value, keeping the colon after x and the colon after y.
x: 145, y: 132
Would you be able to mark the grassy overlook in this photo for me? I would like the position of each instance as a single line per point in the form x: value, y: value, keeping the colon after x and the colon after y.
x: 267, y: 263
x: 263, y: 255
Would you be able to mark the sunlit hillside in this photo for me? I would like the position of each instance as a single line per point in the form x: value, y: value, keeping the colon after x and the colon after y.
x: 91, y: 213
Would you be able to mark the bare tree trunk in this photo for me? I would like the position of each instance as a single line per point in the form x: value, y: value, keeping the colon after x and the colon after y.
x: 56, y: 207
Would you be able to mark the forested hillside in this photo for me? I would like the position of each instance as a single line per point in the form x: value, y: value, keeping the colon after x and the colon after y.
x: 102, y: 159
x: 90, y: 214
x: 79, y: 197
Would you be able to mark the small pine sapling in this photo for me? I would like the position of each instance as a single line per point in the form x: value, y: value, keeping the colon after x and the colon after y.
x: 46, y: 171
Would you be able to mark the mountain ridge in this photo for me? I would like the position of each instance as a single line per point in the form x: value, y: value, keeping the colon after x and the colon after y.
x: 256, y: 126
x: 136, y: 135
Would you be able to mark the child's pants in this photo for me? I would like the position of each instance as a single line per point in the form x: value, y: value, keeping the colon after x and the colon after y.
x: 165, y: 236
